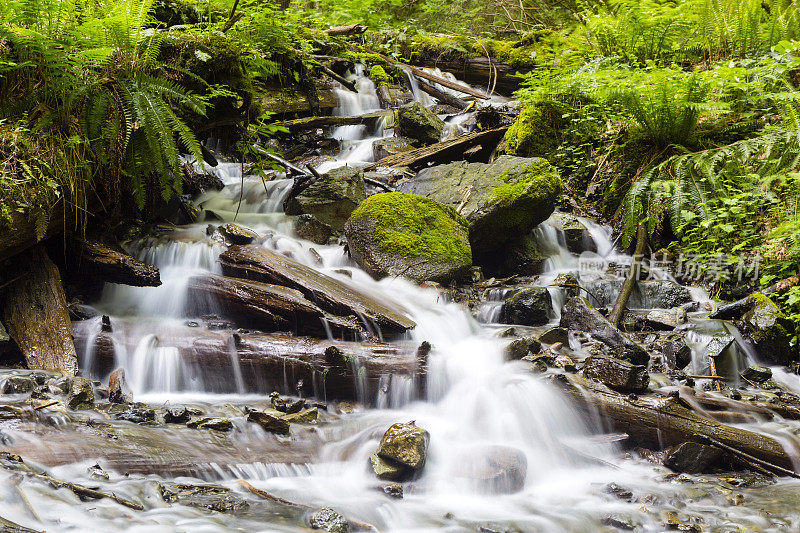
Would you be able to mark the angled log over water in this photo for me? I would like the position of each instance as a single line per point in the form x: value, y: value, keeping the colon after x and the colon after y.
x: 443, y: 152
x: 35, y: 313
x: 315, y: 367
x: 442, y: 96
x: 113, y: 266
x: 661, y: 422
x: 266, y: 307
x: 420, y: 73
x: 259, y: 264
x: 310, y: 123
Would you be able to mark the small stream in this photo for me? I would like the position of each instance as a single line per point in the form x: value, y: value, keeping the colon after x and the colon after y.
x: 475, y: 404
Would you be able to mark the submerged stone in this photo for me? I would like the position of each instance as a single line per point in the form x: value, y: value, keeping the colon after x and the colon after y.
x: 211, y: 497
x: 329, y: 520
x: 209, y: 422
x: 309, y: 228
x: 691, y: 458
x: 406, y: 444
x: 495, y: 469
x: 18, y: 385
x: 396, y: 234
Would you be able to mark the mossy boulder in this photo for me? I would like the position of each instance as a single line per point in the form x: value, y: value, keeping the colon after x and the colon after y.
x: 529, y: 307
x: 81, y: 394
x: 502, y: 201
x: 331, y: 198
x: 418, y: 122
x: 396, y: 234
x: 766, y: 330
x: 405, y: 444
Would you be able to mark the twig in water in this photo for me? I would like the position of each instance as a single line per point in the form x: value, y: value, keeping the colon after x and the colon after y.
x: 705, y: 439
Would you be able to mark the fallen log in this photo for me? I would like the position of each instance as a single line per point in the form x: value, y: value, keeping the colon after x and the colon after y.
x: 349, y: 85
x: 259, y: 264
x: 309, y: 366
x: 662, y: 422
x: 350, y: 29
x: 7, y: 526
x: 478, y: 71
x: 443, y: 152
x: 442, y: 96
x: 35, y: 313
x: 265, y: 307
x: 310, y: 123
x: 114, y: 266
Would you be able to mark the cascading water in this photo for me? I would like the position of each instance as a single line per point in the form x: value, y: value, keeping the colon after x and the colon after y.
x: 478, y: 408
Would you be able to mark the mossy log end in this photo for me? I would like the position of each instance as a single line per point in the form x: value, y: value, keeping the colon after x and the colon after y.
x: 661, y: 422
x: 443, y: 152
x: 35, y: 313
x: 115, y: 267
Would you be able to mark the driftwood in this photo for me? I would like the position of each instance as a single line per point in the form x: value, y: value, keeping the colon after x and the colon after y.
x: 443, y: 152
x: 259, y: 264
x: 662, y: 422
x: 309, y: 366
x: 15, y: 462
x: 113, y: 266
x: 7, y: 526
x: 442, y: 96
x: 310, y: 123
x: 351, y: 29
x: 35, y: 313
x: 265, y: 307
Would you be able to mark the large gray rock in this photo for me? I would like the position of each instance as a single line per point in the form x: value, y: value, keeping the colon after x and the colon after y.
x: 309, y: 228
x: 617, y: 374
x: 528, y: 307
x: 522, y: 256
x: 419, y: 123
x: 766, y: 330
x: 18, y: 385
x: 331, y: 198
x: 502, y: 201
x: 396, y: 234
x: 405, y: 444
x: 579, y: 315
x: 650, y: 294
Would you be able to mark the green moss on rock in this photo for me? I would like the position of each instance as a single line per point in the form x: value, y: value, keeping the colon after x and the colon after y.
x: 523, y: 193
x: 416, y: 226
x: 378, y: 75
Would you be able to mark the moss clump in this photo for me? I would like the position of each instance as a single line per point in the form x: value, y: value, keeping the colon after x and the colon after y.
x: 416, y: 226
x: 378, y: 75
x: 536, y: 131
x: 524, y: 192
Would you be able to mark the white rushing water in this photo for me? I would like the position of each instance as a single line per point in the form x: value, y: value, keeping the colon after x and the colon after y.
x: 476, y: 405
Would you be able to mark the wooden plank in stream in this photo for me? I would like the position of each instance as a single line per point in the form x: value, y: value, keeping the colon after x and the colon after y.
x: 259, y: 264
x: 443, y: 152
x: 310, y: 123
x: 314, y: 367
x: 661, y: 422
x: 35, y: 313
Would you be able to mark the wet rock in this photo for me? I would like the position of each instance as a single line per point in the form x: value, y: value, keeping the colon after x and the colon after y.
x: 142, y: 415
x: 662, y: 294
x: 406, y: 444
x: 394, y: 490
x: 496, y: 469
x: 569, y: 283
x: 118, y: 389
x: 519, y: 348
x: 521, y: 257
x: 502, y: 201
x: 212, y: 497
x: 387, y: 469
x: 96, y: 472
x: 306, y: 416
x: 667, y: 319
x: 579, y: 315
x: 390, y: 146
x: 331, y: 198
x: 757, y: 374
x: 78, y: 311
x: 81, y: 394
x: 269, y: 422
x: 177, y: 415
x: 766, y: 330
x: 236, y: 234
x: 556, y: 334
x: 528, y: 307
x: 619, y: 523
x: 396, y: 234
x: 419, y: 123
x: 209, y: 422
x: 309, y: 228
x: 576, y: 235
x: 329, y: 520
x: 286, y: 405
x: 691, y: 458
x: 677, y: 355
x: 617, y: 374
x: 620, y: 492
x: 718, y: 345
x: 18, y: 385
